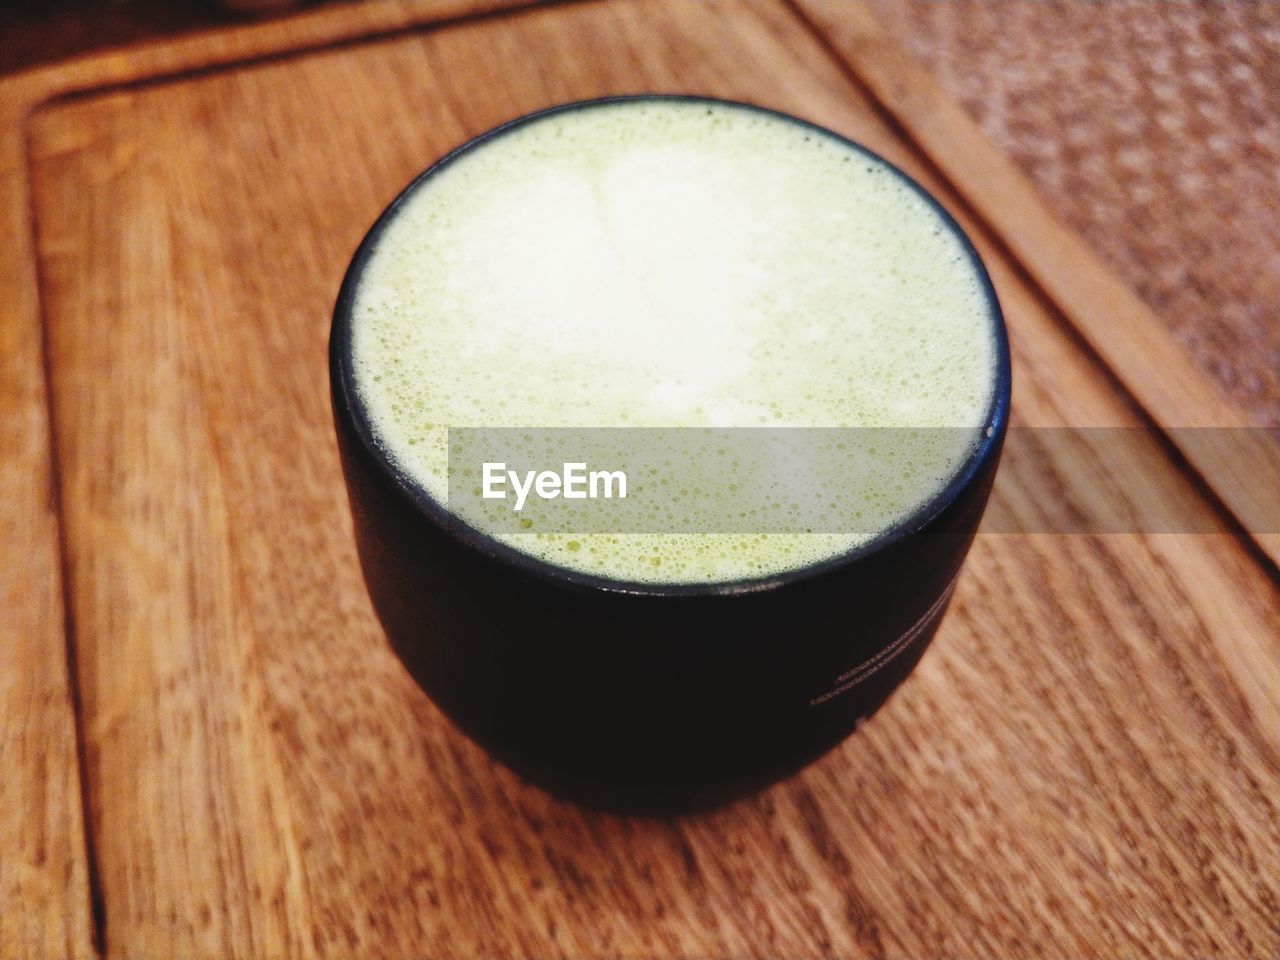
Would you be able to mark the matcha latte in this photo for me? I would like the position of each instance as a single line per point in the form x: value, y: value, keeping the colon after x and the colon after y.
x: 674, y: 263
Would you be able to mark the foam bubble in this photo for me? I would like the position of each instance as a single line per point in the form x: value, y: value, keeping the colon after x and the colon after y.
x: 673, y: 263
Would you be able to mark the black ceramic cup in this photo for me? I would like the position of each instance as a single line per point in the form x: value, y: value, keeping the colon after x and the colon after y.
x: 639, y: 696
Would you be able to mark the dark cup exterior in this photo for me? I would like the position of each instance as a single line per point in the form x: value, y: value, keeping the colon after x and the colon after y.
x: 640, y: 697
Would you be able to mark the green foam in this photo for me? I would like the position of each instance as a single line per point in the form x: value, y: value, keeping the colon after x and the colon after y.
x: 674, y: 263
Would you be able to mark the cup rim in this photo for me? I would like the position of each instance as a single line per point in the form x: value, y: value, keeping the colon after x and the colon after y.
x: 350, y: 407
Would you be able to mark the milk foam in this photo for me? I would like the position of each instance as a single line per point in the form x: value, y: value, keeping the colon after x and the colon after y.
x: 673, y: 263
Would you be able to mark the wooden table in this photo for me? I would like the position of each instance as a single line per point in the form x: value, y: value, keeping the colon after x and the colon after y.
x: 208, y: 749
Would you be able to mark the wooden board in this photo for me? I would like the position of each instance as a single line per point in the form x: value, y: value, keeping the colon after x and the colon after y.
x: 44, y: 875
x: 1241, y: 467
x: 1085, y: 764
x: 1153, y: 134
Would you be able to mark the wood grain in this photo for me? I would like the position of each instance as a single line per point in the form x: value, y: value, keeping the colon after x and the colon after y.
x: 1086, y: 763
x: 1155, y: 133
x: 204, y: 50
x: 45, y: 873
x: 44, y: 889
x: 1242, y: 467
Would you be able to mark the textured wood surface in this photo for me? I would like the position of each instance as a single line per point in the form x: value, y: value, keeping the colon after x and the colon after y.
x: 1155, y: 132
x: 1242, y: 467
x: 44, y: 891
x: 1085, y: 764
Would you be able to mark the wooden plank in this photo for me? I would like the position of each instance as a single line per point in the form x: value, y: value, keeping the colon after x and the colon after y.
x: 203, y: 50
x: 1084, y: 765
x: 46, y: 878
x: 1150, y: 133
x: 44, y: 887
x: 1242, y: 467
